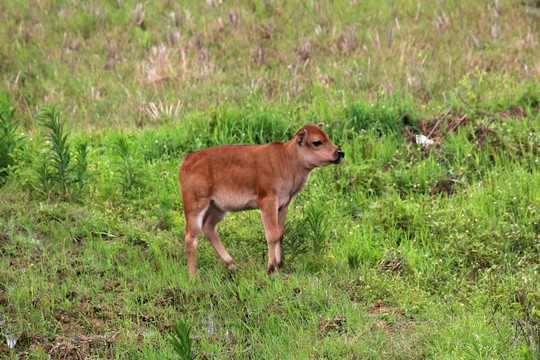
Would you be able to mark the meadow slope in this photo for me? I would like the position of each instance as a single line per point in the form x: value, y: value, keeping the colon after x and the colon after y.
x: 405, y: 251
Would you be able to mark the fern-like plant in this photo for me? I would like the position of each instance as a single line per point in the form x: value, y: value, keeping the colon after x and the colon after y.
x: 58, y: 155
x: 295, y: 239
x: 45, y: 177
x: 60, y: 168
x: 127, y: 169
x: 163, y: 212
x: 317, y: 228
x: 181, y: 341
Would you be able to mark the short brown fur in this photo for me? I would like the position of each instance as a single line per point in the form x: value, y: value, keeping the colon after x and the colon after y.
x: 227, y: 178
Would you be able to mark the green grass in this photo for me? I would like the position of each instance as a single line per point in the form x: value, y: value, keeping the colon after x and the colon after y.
x: 402, y: 252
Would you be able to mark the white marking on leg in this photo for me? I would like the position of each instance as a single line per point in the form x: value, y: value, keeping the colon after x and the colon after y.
x: 200, y: 217
x: 278, y: 253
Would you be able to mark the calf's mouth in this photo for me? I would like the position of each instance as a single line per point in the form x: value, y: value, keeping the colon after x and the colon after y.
x: 340, y: 156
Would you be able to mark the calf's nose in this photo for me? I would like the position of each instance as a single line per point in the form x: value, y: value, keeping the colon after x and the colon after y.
x: 341, y: 153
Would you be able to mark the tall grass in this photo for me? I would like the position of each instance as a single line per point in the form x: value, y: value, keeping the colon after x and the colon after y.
x: 9, y: 137
x: 81, y: 163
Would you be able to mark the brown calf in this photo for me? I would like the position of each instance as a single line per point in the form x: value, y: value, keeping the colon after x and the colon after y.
x: 226, y: 178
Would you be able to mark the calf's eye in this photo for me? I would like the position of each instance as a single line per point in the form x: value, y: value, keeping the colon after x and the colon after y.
x: 317, y: 143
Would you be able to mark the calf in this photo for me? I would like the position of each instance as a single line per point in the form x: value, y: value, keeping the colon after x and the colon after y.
x: 227, y: 178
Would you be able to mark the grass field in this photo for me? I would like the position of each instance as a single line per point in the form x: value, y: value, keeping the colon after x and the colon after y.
x: 405, y: 251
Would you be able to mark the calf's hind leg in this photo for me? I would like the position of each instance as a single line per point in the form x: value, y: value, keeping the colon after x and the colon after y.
x: 194, y: 221
x: 211, y: 219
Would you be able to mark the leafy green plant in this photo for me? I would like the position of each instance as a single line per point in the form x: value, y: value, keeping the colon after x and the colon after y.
x: 127, y: 168
x: 308, y: 235
x: 45, y: 177
x: 60, y: 168
x: 8, y: 136
x: 58, y: 155
x: 181, y: 341
x: 163, y: 212
x: 295, y: 239
x: 316, y: 227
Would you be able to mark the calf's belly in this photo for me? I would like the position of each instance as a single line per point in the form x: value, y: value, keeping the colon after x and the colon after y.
x: 235, y: 201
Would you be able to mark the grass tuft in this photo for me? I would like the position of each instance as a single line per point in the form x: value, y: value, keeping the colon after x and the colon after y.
x: 9, y: 138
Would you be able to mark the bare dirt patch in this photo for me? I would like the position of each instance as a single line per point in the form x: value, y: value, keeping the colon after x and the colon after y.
x: 446, y: 187
x: 394, y: 265
x: 175, y: 297
x: 336, y: 324
x: 378, y: 310
x: 514, y: 112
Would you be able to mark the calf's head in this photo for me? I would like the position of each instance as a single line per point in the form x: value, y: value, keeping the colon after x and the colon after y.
x: 315, y: 148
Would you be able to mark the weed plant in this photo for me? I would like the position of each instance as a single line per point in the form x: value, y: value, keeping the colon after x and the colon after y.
x: 295, y: 239
x: 127, y: 168
x: 46, y: 177
x: 58, y: 155
x: 163, y: 212
x: 181, y: 340
x: 58, y: 169
x: 316, y: 227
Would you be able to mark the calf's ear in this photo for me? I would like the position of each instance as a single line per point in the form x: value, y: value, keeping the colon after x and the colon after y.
x: 301, y: 137
x: 320, y: 125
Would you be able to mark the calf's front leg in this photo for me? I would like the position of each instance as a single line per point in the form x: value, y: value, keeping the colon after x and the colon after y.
x: 269, y: 213
x: 282, y: 214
